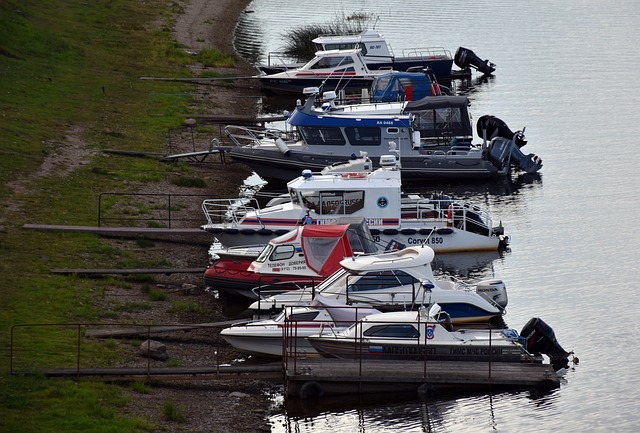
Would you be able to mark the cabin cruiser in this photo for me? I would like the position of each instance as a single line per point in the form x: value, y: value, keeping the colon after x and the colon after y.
x: 378, y: 54
x: 354, y: 189
x: 334, y: 69
x: 432, y: 137
x: 304, y: 256
x: 398, y: 280
x: 289, y: 329
x: 426, y: 335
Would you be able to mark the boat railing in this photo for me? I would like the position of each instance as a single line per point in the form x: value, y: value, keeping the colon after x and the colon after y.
x: 229, y: 210
x: 430, y: 52
x: 243, y: 136
x: 462, y: 215
x: 277, y: 59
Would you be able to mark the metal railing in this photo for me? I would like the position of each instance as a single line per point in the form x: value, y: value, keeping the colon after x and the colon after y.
x: 70, y: 348
x: 167, y: 210
x: 229, y: 210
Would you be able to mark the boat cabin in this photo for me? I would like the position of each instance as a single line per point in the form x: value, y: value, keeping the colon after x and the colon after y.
x: 326, y: 196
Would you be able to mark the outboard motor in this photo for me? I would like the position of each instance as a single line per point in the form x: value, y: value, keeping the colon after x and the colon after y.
x: 465, y: 57
x: 489, y: 127
x: 540, y: 338
x: 495, y: 290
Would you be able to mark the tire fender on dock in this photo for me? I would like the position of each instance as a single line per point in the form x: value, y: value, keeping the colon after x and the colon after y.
x: 310, y: 390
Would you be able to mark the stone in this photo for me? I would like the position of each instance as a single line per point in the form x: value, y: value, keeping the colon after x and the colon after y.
x: 154, y: 350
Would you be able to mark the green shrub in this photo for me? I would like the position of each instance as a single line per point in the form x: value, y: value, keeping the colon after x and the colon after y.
x: 173, y: 412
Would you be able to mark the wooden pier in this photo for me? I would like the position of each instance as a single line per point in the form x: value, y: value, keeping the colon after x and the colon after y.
x: 317, y: 377
x: 118, y: 231
x: 271, y: 371
x: 130, y: 271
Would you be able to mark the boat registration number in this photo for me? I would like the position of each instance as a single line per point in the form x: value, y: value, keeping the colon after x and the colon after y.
x: 433, y: 240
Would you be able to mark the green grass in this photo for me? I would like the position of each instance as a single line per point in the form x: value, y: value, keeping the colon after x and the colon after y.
x: 185, y: 307
x: 173, y: 412
x: 213, y: 58
x: 69, y: 72
x: 57, y: 406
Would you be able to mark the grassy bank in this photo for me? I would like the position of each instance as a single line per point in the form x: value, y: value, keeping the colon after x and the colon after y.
x: 70, y: 86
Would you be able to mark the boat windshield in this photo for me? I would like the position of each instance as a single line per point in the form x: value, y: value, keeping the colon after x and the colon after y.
x: 333, y: 283
x: 266, y: 252
x: 331, y: 62
x: 293, y: 193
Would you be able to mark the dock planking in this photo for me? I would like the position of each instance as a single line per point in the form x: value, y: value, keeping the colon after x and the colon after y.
x: 154, y: 329
x: 338, y: 376
x: 273, y: 370
x: 130, y: 271
x: 122, y: 231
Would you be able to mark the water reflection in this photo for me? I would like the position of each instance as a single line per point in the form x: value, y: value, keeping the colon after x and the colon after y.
x: 384, y: 413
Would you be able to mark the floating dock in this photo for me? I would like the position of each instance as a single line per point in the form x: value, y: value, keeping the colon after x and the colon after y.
x: 318, y: 377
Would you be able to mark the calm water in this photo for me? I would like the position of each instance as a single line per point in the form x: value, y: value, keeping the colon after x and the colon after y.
x: 567, y: 70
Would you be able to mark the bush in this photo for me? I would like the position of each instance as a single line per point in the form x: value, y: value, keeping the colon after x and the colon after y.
x: 299, y: 43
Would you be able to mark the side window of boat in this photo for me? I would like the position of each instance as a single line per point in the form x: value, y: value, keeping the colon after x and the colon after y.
x: 307, y: 316
x: 363, y: 48
x: 392, y: 331
x: 363, y: 136
x: 322, y: 136
x: 332, y: 62
x: 341, y: 202
x: 282, y: 252
x: 405, y: 279
x: 377, y: 280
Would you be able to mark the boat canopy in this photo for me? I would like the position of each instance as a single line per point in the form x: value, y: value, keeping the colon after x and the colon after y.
x: 441, y: 115
x: 325, y: 246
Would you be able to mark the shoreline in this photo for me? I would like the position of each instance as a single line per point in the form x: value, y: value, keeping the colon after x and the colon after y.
x: 209, y: 24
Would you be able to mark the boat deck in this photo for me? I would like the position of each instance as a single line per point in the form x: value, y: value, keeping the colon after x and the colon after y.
x: 309, y: 377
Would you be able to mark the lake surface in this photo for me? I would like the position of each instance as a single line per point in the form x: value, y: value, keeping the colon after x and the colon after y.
x: 568, y: 71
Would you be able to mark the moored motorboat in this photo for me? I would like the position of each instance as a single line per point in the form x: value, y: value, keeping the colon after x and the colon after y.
x: 378, y: 54
x: 304, y: 256
x: 433, y: 138
x: 398, y: 280
x: 353, y: 189
x: 289, y: 329
x: 422, y: 335
x: 333, y: 69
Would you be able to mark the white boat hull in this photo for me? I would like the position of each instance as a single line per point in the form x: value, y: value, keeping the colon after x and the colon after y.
x: 441, y: 240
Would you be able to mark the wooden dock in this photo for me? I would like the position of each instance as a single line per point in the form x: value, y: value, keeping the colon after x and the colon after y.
x: 118, y: 231
x: 141, y: 331
x: 130, y: 271
x: 317, y: 377
x: 272, y: 371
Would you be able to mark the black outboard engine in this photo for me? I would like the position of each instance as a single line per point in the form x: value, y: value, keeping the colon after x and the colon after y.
x: 490, y: 127
x: 465, y: 57
x: 540, y: 338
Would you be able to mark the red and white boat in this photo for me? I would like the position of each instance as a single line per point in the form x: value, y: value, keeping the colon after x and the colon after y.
x: 302, y: 257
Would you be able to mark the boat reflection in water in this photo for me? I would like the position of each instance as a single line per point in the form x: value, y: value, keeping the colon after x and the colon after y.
x: 377, y: 413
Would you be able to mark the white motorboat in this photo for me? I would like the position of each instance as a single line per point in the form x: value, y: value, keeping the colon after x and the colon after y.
x: 422, y: 335
x: 353, y: 189
x: 378, y: 54
x: 398, y: 280
x: 333, y: 69
x: 289, y: 329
